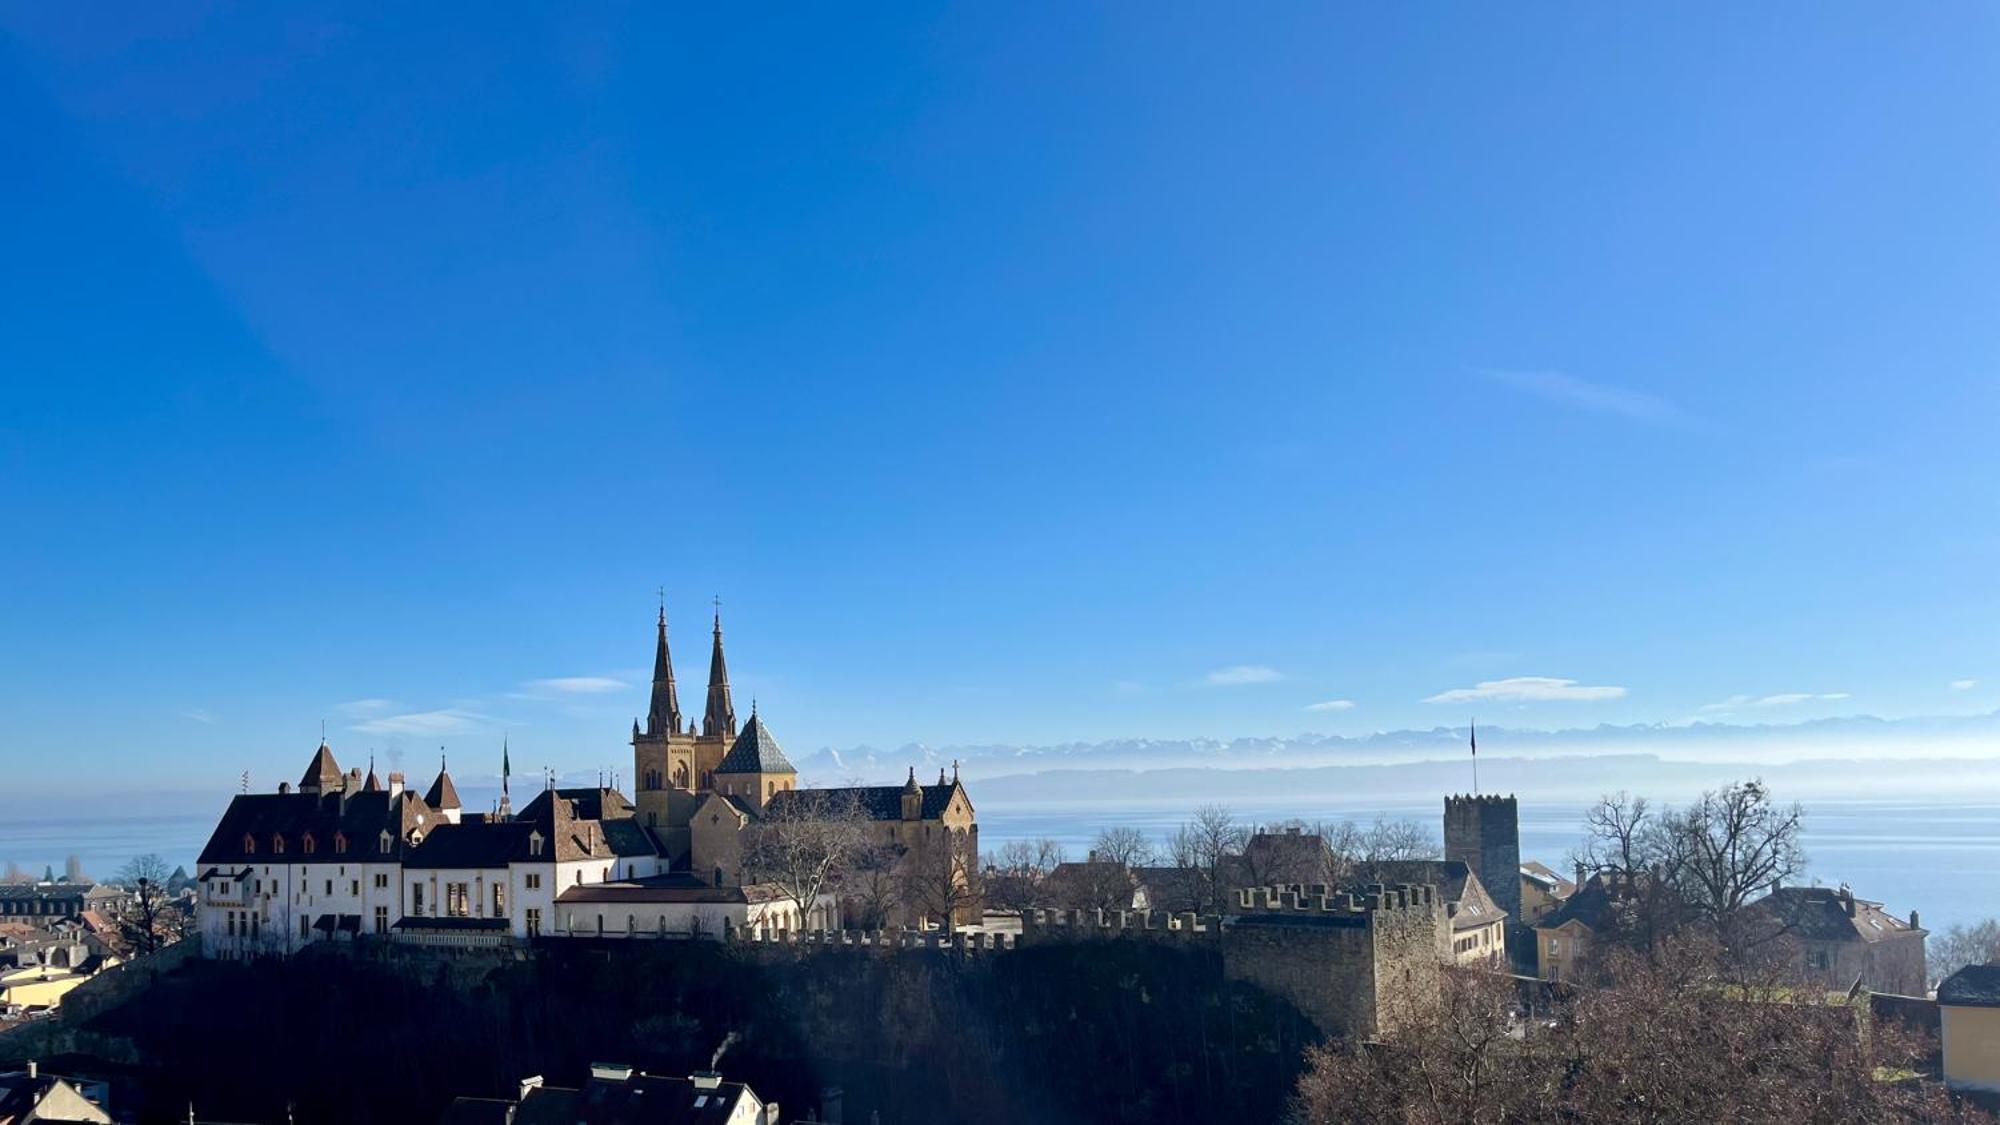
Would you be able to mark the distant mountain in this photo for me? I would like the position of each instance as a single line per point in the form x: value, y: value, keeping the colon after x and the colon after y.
x: 1857, y: 737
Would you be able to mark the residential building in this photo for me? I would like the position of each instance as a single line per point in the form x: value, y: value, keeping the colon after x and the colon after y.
x: 1836, y: 940
x: 1969, y: 1021
x: 37, y: 901
x: 619, y: 1094
x: 29, y: 1096
x: 1542, y: 890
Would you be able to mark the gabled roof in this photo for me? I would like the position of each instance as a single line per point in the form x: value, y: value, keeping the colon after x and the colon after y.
x: 1554, y: 884
x: 602, y: 803
x: 1592, y: 906
x: 1974, y: 986
x: 755, y: 751
x: 877, y: 802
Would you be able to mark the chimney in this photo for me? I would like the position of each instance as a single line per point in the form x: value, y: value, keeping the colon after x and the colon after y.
x: 33, y: 1070
x: 531, y: 1082
x: 1579, y: 874
x: 395, y: 785
x: 284, y: 787
x: 705, y: 1079
x: 1914, y: 924
x: 611, y: 1072
x: 1847, y: 900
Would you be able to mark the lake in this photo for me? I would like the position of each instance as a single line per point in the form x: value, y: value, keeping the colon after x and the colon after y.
x: 1941, y: 858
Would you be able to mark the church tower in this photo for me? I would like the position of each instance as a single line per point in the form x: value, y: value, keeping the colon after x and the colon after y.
x: 673, y: 760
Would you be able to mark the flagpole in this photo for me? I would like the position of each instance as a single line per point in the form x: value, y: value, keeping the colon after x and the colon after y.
x: 1472, y: 728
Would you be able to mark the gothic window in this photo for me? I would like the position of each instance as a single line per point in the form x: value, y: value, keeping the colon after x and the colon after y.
x: 249, y: 844
x: 277, y: 845
x: 681, y: 776
x: 384, y: 843
x: 308, y: 844
x: 340, y: 843
x: 534, y: 843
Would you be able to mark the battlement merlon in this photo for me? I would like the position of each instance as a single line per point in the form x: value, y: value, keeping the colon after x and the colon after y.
x: 1095, y: 924
x: 1312, y: 901
x: 1479, y: 799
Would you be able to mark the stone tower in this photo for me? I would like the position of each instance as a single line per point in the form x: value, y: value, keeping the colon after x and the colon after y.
x: 673, y: 763
x: 1485, y: 833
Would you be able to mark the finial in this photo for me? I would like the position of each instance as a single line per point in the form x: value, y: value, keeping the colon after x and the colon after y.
x: 441, y: 768
x: 663, y: 605
x: 954, y: 771
x: 753, y: 706
x: 718, y: 613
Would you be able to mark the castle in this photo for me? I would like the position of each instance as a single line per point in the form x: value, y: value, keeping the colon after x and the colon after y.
x: 343, y: 855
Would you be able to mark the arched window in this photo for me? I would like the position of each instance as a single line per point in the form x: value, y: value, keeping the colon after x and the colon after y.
x: 249, y: 844
x: 340, y: 843
x: 385, y: 842
x: 308, y: 844
x: 277, y: 844
x: 681, y: 776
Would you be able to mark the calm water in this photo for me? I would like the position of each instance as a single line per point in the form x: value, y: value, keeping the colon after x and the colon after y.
x: 1943, y: 859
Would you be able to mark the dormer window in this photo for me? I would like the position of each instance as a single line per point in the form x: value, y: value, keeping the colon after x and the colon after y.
x: 308, y: 844
x: 535, y: 844
x: 385, y: 842
x: 249, y: 844
x: 340, y: 843
x: 277, y: 844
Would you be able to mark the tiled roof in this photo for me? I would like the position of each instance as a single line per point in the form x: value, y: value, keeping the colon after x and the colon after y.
x: 877, y: 802
x: 1974, y: 986
x: 1593, y: 906
x: 481, y: 844
x: 584, y: 804
x: 755, y: 751
x: 1820, y: 914
x: 322, y: 771
x: 361, y: 817
x: 443, y: 794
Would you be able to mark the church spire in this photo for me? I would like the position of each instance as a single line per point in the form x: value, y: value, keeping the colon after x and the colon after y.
x: 721, y: 716
x: 664, y: 717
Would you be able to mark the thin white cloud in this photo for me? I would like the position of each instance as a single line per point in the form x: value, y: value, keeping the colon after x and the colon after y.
x: 1243, y: 674
x: 441, y: 721
x: 1964, y: 685
x: 1781, y: 699
x: 364, y: 708
x: 1529, y: 689
x: 1332, y: 705
x: 1580, y: 394
x: 576, y: 685
x: 198, y: 714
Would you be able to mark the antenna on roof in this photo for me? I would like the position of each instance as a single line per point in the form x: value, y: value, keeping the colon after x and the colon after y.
x: 322, y: 730
x: 244, y: 782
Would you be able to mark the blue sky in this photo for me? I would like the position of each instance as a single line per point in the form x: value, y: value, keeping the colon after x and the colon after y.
x: 1022, y: 373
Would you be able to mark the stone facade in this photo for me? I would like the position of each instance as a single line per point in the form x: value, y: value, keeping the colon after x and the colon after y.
x: 1355, y: 965
x: 1485, y: 834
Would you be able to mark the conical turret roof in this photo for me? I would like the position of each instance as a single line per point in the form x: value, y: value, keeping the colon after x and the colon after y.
x: 443, y: 794
x: 323, y: 773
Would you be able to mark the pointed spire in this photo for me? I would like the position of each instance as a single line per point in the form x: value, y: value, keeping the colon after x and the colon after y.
x: 720, y: 718
x: 443, y: 794
x: 664, y: 717
x: 373, y: 784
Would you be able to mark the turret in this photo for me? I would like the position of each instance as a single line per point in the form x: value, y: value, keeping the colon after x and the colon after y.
x: 322, y: 773
x: 913, y: 797
x: 720, y: 717
x: 443, y: 795
x: 664, y: 716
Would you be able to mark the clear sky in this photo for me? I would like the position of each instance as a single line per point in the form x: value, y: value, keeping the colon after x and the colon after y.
x: 1014, y: 373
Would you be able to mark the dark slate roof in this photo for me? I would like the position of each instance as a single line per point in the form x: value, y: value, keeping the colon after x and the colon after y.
x: 678, y: 887
x: 1592, y: 905
x: 755, y: 751
x: 478, y: 1111
x: 646, y: 1099
x: 877, y: 802
x: 480, y: 844
x: 363, y: 817
x: 62, y: 892
x: 1974, y: 986
x: 1820, y: 914
x: 583, y: 804
x: 436, y: 922
x: 443, y: 794
x: 1456, y: 885
x: 322, y: 771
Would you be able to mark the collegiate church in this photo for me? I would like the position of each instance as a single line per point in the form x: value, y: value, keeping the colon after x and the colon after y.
x: 342, y: 855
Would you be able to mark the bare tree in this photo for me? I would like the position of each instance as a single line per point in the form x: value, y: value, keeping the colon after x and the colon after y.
x: 1122, y: 844
x: 941, y: 877
x: 1730, y: 846
x: 1017, y: 877
x: 150, y: 921
x: 1670, y: 1042
x: 804, y: 842
x: 871, y: 886
x: 1976, y: 943
x: 1202, y: 848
